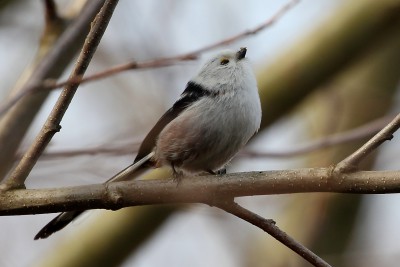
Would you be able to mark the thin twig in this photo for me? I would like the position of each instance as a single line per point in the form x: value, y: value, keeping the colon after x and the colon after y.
x: 123, y: 149
x: 51, y: 84
x: 52, y: 124
x: 270, y: 227
x: 351, y: 162
x: 355, y: 134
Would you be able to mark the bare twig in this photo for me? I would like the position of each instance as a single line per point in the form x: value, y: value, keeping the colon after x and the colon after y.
x: 118, y: 150
x: 197, y: 190
x: 270, y: 227
x: 50, y: 84
x: 52, y: 124
x: 358, y: 133
x: 355, y: 134
x: 351, y: 162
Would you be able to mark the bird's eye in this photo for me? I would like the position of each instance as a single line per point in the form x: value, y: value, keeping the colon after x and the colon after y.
x: 224, y: 61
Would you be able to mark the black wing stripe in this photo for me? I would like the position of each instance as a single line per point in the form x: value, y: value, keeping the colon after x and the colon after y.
x: 192, y: 93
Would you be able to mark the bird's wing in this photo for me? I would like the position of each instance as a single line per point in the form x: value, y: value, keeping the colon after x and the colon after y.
x: 191, y: 94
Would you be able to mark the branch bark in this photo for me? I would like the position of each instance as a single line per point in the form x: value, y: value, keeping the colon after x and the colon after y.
x: 196, y: 190
x: 351, y: 162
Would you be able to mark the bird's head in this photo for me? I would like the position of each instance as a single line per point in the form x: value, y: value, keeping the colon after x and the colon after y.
x: 227, y: 70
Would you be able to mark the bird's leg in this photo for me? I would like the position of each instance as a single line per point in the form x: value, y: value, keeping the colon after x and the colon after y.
x: 221, y: 171
x: 218, y: 172
x: 176, y: 174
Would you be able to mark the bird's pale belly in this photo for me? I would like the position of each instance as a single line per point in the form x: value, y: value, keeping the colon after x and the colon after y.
x: 195, y: 147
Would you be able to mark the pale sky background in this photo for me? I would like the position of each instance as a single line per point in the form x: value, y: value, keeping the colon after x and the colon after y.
x: 105, y: 112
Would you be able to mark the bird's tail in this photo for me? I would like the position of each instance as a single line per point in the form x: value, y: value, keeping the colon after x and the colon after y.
x: 133, y: 171
x: 63, y: 219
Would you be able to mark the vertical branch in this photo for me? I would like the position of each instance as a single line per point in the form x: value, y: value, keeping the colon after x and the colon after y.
x: 51, y: 11
x: 52, y: 124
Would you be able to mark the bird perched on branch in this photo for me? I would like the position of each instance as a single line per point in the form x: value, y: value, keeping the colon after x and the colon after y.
x: 216, y: 115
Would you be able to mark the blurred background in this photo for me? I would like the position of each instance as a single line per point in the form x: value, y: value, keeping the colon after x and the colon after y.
x: 323, y: 68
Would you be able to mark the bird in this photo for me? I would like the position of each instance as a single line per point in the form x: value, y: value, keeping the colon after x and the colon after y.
x: 215, y: 116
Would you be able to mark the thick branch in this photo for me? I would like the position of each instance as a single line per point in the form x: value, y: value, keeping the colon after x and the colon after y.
x: 196, y: 190
x: 51, y: 126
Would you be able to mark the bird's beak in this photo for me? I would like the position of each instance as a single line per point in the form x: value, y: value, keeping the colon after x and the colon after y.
x: 241, y: 53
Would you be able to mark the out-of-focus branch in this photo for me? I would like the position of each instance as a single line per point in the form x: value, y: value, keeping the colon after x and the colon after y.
x: 361, y: 91
x: 50, y: 11
x: 52, y: 124
x: 270, y: 227
x: 355, y: 134
x: 55, y: 25
x: 50, y: 84
x: 320, y: 55
x: 118, y: 150
x: 57, y: 48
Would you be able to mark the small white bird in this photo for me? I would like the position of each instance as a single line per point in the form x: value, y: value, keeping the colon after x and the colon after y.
x: 216, y: 115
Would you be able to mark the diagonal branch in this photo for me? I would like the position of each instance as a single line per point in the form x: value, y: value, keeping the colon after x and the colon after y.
x: 270, y: 227
x: 52, y: 124
x: 351, y: 162
x: 363, y: 131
